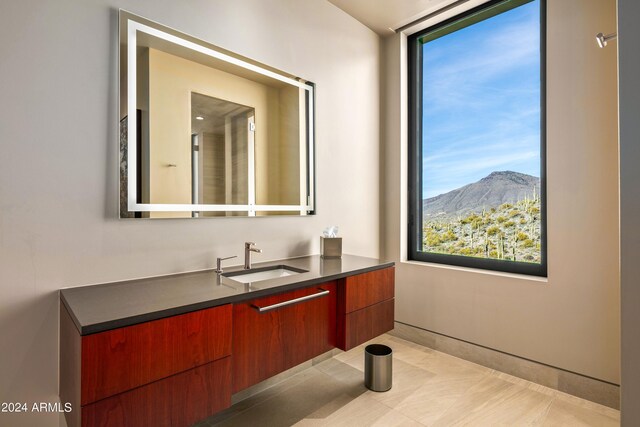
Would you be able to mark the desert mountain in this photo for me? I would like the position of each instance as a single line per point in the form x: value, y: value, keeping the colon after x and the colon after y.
x: 491, y: 191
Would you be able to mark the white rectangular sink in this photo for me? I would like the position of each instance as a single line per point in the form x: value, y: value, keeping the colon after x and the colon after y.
x: 265, y: 273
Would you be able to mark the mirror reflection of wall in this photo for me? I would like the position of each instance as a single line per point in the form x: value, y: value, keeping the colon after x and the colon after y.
x: 218, y: 135
x: 222, y: 132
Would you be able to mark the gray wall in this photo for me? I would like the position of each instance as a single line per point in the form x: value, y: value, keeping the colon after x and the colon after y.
x: 629, y: 66
x: 59, y: 171
x: 570, y: 320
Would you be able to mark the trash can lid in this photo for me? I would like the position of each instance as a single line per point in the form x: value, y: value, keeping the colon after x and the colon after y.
x: 378, y: 350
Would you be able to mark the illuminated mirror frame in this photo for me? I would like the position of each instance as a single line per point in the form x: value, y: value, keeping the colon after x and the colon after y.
x: 133, y: 27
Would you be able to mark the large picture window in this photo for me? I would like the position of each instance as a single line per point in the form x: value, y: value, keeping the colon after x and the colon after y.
x: 477, y: 139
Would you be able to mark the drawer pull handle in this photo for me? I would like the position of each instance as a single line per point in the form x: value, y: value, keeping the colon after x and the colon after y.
x: 322, y: 293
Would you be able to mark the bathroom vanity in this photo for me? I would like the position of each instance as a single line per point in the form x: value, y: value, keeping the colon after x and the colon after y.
x: 172, y: 350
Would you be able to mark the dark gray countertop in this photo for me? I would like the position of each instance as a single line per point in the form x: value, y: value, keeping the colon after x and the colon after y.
x: 98, y: 308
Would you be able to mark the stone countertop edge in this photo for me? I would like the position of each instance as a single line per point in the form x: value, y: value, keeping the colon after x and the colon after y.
x: 81, y: 302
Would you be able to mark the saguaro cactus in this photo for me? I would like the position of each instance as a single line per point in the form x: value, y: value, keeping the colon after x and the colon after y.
x: 486, y: 244
x: 501, y: 246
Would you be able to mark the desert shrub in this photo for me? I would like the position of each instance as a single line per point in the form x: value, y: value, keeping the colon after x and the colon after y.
x: 493, y: 254
x: 449, y: 235
x: 505, y: 206
x: 432, y: 239
x: 523, y: 221
x: 509, y: 224
x: 471, y: 252
x: 521, y: 236
x: 493, y: 230
x: 514, y: 213
x: 527, y: 243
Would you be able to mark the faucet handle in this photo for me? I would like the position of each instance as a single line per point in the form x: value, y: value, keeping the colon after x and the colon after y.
x: 219, y: 263
x: 249, y: 244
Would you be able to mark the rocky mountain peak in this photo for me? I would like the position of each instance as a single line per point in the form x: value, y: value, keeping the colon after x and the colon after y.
x: 491, y: 191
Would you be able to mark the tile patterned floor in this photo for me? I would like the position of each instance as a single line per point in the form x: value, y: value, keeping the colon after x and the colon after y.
x: 429, y: 389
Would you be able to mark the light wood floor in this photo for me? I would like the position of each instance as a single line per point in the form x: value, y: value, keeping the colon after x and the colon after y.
x: 429, y: 389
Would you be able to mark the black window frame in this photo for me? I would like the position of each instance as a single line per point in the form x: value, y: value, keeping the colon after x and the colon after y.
x: 415, y: 90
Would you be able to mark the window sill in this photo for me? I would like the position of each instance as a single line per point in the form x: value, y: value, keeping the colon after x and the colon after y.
x: 477, y: 271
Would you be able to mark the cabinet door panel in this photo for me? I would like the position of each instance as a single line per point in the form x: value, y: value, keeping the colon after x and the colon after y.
x: 121, y: 359
x: 363, y: 290
x: 265, y: 344
x: 362, y: 325
x: 179, y: 400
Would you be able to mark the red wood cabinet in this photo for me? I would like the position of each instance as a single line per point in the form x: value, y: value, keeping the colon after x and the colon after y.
x: 179, y: 400
x: 363, y: 290
x: 121, y: 359
x: 267, y: 343
x: 178, y: 370
x: 105, y: 367
x: 365, y: 307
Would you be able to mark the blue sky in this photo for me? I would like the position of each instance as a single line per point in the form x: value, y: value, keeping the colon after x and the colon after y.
x: 481, y: 101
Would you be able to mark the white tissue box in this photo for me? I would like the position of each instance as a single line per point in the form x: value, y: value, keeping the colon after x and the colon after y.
x: 331, y: 247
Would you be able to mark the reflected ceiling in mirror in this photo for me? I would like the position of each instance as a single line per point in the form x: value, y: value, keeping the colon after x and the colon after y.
x: 207, y: 133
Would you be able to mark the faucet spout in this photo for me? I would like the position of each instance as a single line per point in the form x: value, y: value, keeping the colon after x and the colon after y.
x: 248, y: 248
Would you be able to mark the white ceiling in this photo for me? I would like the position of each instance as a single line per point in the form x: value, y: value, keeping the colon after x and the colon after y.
x: 383, y: 16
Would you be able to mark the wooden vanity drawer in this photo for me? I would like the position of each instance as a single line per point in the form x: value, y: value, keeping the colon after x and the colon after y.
x: 122, y: 359
x: 179, y: 400
x: 362, y: 325
x: 267, y: 343
x: 363, y: 290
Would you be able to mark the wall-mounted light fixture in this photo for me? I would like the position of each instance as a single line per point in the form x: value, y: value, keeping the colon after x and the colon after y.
x: 602, y: 39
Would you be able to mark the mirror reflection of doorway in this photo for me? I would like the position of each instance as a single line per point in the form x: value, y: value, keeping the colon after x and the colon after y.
x: 222, y: 143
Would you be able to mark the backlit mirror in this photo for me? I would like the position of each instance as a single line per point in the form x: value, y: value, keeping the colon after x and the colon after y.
x: 207, y: 133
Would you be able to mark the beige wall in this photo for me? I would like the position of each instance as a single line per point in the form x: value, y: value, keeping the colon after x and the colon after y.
x: 571, y: 320
x: 277, y: 113
x: 171, y: 82
x: 290, y: 167
x: 59, y: 223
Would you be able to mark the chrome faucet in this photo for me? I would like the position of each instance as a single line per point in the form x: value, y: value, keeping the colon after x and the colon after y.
x: 219, y: 263
x: 247, y: 254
